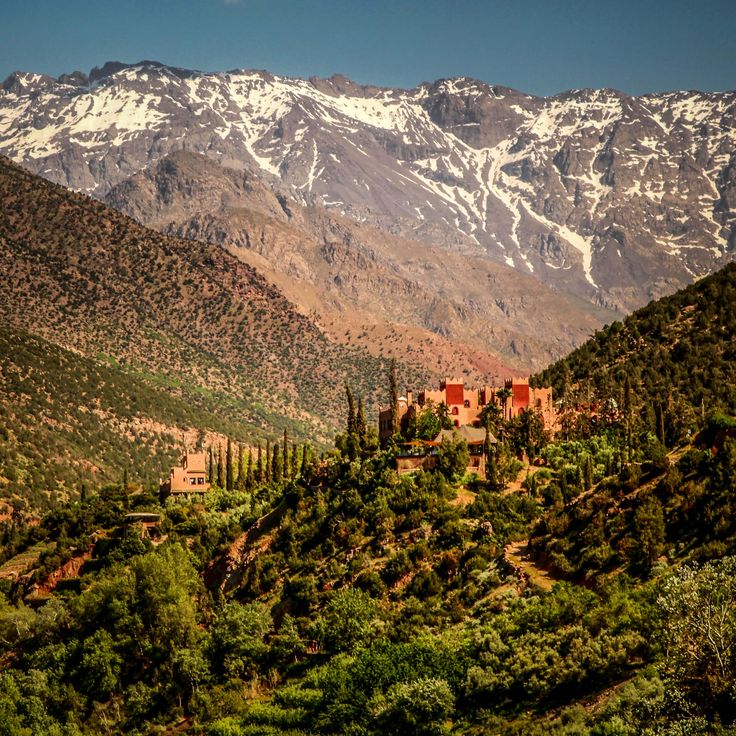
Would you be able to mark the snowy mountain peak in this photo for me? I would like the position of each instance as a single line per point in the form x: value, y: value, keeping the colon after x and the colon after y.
x: 616, y: 198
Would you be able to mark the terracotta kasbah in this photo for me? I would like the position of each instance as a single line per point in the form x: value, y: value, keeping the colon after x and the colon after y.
x: 464, y: 405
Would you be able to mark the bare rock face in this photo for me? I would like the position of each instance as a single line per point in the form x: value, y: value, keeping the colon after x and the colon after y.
x: 612, y: 198
x: 357, y: 277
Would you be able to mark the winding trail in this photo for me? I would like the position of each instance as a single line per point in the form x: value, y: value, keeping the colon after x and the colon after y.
x: 517, y: 555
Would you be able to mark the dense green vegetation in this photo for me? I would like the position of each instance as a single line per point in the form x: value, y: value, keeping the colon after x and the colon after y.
x: 323, y: 593
x: 678, y: 355
x: 341, y: 598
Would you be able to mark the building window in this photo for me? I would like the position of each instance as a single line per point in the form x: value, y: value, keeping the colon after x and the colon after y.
x: 454, y: 410
x: 466, y: 403
x: 457, y: 423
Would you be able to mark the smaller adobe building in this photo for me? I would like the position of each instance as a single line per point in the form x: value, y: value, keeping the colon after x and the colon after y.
x: 424, y: 455
x: 464, y: 405
x: 188, y: 479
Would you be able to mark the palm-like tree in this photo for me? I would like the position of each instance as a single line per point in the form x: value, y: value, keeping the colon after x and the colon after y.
x: 504, y: 394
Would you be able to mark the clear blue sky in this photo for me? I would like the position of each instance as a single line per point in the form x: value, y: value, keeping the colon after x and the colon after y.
x: 537, y: 46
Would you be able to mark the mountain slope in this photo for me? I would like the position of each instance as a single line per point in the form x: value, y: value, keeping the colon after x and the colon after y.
x: 183, y: 318
x: 680, y: 347
x: 655, y: 405
x: 68, y: 420
x: 359, y: 279
x: 618, y: 199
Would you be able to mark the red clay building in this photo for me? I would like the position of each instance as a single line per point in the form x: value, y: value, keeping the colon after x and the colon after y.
x: 190, y: 478
x: 464, y: 405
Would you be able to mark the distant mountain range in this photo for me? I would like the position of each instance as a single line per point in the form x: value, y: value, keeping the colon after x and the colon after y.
x: 454, y: 313
x: 611, y: 198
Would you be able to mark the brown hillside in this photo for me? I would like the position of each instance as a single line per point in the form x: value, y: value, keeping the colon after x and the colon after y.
x: 186, y: 314
x: 456, y: 308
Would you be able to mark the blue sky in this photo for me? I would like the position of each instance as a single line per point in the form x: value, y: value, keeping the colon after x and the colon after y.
x: 537, y: 46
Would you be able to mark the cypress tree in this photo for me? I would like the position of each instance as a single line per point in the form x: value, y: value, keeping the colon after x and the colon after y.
x: 251, y: 480
x: 259, y: 468
x: 305, y: 460
x: 351, y: 411
x: 229, y: 482
x: 268, y: 461
x: 211, y: 474
x: 220, y: 468
x: 361, y: 429
x: 125, y: 480
x: 294, y: 470
x: 242, y: 469
x: 394, y: 394
x: 285, y: 463
x: 276, y: 470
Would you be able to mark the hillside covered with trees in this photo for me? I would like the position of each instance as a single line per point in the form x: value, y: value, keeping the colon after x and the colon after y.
x: 326, y: 594
x: 586, y: 588
x: 134, y: 334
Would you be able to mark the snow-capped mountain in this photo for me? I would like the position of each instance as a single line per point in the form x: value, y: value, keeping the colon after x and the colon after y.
x: 617, y: 199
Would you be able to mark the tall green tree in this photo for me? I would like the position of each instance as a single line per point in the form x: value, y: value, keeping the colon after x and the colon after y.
x: 350, y: 424
x: 259, y: 469
x: 361, y: 428
x: 504, y: 394
x: 229, y: 481
x: 220, y: 467
x: 294, y: 471
x: 393, y: 390
x: 305, y: 460
x: 268, y: 461
x: 242, y: 479
x: 285, y: 462
x: 276, y: 467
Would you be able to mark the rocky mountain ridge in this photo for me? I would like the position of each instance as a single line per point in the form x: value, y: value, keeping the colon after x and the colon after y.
x: 616, y: 199
x: 363, y: 285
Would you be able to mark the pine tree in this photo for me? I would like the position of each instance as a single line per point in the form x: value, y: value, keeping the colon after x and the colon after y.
x: 229, y: 481
x: 276, y: 469
x: 220, y: 468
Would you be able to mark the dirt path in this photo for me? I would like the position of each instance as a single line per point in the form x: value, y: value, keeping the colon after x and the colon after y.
x: 515, y: 485
x: 516, y: 554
